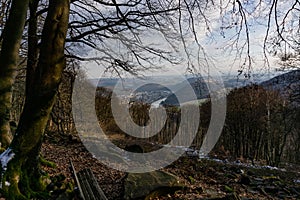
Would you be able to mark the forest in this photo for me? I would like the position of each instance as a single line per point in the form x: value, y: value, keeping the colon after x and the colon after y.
x: 261, y: 125
x: 46, y: 47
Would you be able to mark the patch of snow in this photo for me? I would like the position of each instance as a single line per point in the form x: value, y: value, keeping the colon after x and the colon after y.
x: 7, y: 183
x: 192, y: 153
x: 270, y: 167
x: 157, y: 103
x: 214, y: 159
x: 203, y: 155
x: 5, y: 157
x: 189, y: 151
x: 296, y: 181
x: 239, y: 163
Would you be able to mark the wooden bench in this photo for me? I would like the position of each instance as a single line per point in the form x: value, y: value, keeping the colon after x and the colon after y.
x: 87, y: 184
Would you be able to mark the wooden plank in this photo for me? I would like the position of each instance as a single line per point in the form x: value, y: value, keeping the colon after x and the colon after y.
x: 77, y: 181
x: 87, y: 184
x: 86, y: 188
x: 95, y: 186
x: 92, y: 187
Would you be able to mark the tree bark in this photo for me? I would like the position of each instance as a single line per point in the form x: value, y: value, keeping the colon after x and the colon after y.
x: 32, y: 55
x: 9, y: 55
x: 22, y: 170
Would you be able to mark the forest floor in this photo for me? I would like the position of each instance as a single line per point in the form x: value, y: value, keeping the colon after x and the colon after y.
x: 203, y: 178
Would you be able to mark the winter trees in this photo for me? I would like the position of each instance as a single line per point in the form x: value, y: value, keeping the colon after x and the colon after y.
x: 23, y: 153
x: 114, y: 29
x: 46, y: 62
x: 260, y: 124
x: 9, y: 56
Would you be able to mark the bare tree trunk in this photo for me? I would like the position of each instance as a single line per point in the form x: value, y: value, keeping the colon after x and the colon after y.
x: 32, y: 55
x: 22, y: 170
x: 61, y: 118
x: 9, y: 56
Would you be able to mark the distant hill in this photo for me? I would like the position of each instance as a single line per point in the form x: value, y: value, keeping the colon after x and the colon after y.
x: 287, y: 84
x: 150, y: 93
x: 105, y: 82
x: 151, y: 87
x: 199, y: 86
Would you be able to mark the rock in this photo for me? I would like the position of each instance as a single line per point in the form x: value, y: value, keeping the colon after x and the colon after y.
x: 150, y: 184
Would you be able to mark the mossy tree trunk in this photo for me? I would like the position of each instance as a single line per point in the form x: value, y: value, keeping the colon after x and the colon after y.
x: 22, y: 170
x: 12, y: 35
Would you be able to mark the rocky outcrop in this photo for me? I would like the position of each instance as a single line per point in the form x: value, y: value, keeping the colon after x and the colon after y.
x: 149, y: 185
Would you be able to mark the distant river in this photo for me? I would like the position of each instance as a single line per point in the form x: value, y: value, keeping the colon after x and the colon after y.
x: 156, y: 104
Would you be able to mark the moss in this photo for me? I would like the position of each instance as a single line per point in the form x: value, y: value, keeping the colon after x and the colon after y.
x: 47, y: 163
x: 23, y: 184
x: 12, y: 176
x: 15, y: 194
x: 61, y: 189
x: 44, y: 181
x: 2, y: 150
x: 70, y: 189
x: 37, y: 190
x: 192, y: 179
x: 228, y: 189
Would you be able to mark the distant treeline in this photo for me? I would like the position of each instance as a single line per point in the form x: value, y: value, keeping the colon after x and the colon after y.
x: 260, y: 125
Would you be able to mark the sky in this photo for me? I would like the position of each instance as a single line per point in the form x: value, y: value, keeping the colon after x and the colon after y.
x: 217, y: 42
